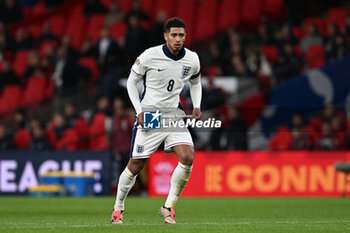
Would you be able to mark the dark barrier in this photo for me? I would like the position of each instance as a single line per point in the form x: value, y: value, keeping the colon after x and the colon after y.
x: 21, y: 170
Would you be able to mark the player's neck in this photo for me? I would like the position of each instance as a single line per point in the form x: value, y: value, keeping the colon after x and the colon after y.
x: 174, y: 53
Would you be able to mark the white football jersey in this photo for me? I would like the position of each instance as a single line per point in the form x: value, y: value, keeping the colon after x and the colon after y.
x: 165, y: 75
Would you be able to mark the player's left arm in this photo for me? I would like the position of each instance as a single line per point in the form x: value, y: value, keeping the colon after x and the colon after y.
x: 196, y: 95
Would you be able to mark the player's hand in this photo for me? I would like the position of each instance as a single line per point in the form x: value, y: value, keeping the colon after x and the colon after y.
x: 140, y: 118
x: 196, y: 114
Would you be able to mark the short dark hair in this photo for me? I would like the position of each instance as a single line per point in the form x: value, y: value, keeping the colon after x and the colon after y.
x: 174, y: 23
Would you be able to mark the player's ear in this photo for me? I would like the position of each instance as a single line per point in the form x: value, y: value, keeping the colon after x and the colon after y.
x: 165, y: 36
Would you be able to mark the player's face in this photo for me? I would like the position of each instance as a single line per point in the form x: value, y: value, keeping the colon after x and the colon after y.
x: 175, y: 39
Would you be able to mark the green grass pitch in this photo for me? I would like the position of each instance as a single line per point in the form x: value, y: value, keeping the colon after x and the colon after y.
x: 25, y: 214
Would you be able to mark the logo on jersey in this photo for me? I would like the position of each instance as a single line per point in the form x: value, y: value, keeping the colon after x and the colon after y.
x: 151, y: 119
x: 139, y: 148
x: 185, y: 71
x: 137, y: 62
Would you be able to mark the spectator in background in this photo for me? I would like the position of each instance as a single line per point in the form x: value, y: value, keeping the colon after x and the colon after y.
x: 10, y: 12
x: 238, y: 67
x: 213, y: 58
x: 46, y: 35
x: 328, y: 139
x: 87, y: 49
x: 20, y: 119
x: 136, y: 39
x: 312, y: 38
x: 285, y: 36
x: 334, y: 44
x: 32, y: 66
x: 136, y: 11
x: 67, y: 43
x: 300, y: 140
x: 236, y: 131
x: 346, y: 29
x: 39, y: 140
x: 7, y: 76
x: 122, y: 126
x: 298, y: 121
x: 6, y: 140
x: 23, y: 41
x: 114, y: 15
x: 214, y: 96
x: 216, y: 141
x: 58, y: 126
x: 287, y: 65
x: 6, y: 44
x: 156, y: 33
x: 264, y: 36
x: 102, y: 106
x: 67, y: 72
x: 94, y: 7
x: 107, y: 51
x: 257, y: 63
x: 70, y: 115
x: 328, y: 113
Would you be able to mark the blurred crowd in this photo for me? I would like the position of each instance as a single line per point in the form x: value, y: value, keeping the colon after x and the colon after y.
x: 271, y: 53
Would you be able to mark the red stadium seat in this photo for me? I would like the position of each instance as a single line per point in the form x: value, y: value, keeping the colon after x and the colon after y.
x: 22, y: 139
x: 148, y: 7
x: 270, y: 52
x: 251, y: 11
x: 39, y: 8
x: 274, y: 8
x: 229, y: 14
x: 184, y: 10
x: 76, y: 27
x: 337, y: 16
x: 206, y: 19
x: 125, y: 5
x: 319, y: 22
x: 315, y: 56
x: 165, y: 6
x: 91, y: 64
x: 95, y: 25
x: 10, y: 98
x: 117, y: 30
x: 35, y: 30
x: 298, y: 33
x: 106, y: 3
x: 98, y: 136
x: 45, y: 46
x: 19, y: 65
x: 58, y: 24
x: 34, y: 91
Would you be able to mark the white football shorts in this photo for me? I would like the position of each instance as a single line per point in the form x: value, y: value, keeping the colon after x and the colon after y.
x: 146, y: 141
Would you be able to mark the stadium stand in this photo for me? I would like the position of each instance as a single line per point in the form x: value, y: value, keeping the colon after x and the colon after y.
x: 249, y: 39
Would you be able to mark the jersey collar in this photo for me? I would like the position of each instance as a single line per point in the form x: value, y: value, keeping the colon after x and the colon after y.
x: 169, y: 55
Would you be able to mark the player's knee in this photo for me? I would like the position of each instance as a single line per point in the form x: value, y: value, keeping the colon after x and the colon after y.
x: 188, y: 157
x: 136, y: 165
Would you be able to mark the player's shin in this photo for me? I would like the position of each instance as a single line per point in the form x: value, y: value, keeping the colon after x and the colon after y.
x: 179, y: 180
x: 126, y: 182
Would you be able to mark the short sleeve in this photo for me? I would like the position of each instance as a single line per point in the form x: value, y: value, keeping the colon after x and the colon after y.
x: 139, y: 68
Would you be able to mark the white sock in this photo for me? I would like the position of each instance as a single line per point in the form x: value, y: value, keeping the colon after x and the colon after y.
x: 126, y: 182
x: 179, y: 180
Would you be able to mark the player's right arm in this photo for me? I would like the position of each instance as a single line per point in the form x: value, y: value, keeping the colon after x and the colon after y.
x: 138, y: 70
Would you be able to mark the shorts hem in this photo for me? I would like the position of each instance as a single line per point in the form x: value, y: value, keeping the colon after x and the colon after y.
x: 178, y: 143
x: 140, y: 156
